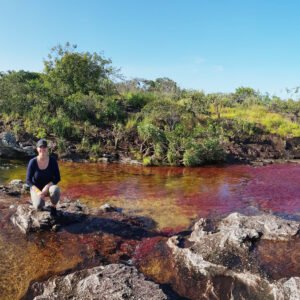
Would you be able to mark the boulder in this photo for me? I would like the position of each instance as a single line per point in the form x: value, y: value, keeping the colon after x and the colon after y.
x: 9, y: 148
x: 27, y: 219
x: 19, y: 185
x: 113, y: 282
x: 8, y: 139
x: 219, y: 258
x: 15, y: 188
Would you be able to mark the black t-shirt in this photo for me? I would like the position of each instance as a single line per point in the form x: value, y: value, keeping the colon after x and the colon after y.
x: 40, y: 178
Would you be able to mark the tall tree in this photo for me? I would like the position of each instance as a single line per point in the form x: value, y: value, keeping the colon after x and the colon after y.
x: 69, y: 72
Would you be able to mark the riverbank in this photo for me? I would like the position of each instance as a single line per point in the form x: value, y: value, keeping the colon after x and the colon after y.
x: 261, y: 149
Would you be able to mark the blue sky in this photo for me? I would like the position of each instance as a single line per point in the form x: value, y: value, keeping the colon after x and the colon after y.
x: 211, y: 45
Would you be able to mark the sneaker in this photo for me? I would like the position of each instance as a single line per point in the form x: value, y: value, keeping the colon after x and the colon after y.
x: 53, y: 211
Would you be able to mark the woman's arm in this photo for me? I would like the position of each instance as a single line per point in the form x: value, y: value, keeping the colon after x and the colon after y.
x: 56, y: 173
x: 30, y: 172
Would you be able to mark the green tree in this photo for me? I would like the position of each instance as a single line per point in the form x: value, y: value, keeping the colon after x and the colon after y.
x: 69, y: 72
x: 242, y: 93
x: 164, y: 113
x: 196, y: 102
x: 17, y: 89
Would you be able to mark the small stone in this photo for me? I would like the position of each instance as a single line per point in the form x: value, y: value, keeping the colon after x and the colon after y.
x: 25, y: 187
x: 103, y: 159
x: 108, y: 208
x: 16, y: 182
x: 55, y: 227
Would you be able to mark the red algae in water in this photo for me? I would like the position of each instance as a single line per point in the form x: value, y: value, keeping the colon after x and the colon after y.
x: 275, y: 188
x: 146, y: 247
x: 174, y: 196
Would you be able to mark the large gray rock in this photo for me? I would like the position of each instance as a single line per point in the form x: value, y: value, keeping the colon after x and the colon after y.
x: 111, y: 282
x: 8, y: 139
x: 9, y: 148
x: 220, y: 261
x: 236, y: 229
x: 27, y: 219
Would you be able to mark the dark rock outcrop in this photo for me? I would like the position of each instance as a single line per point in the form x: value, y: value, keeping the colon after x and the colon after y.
x: 257, y: 147
x: 293, y: 147
x: 113, y: 282
x: 220, y: 260
x: 9, y: 148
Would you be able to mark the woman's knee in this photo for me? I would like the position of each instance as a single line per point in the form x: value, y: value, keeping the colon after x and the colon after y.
x: 54, y: 192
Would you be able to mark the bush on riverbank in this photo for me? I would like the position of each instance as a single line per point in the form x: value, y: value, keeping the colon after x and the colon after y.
x: 81, y: 99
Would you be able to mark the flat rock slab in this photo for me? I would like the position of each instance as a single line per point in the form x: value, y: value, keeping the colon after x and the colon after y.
x: 27, y: 219
x: 111, y: 282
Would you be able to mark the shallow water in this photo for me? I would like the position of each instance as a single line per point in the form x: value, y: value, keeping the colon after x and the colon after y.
x: 172, y: 197
x: 175, y: 196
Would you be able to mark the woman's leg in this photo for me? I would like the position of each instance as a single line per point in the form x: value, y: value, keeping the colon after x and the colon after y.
x: 54, y: 193
x: 37, y: 201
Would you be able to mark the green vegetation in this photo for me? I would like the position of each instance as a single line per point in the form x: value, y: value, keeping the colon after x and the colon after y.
x: 272, y: 122
x: 80, y: 98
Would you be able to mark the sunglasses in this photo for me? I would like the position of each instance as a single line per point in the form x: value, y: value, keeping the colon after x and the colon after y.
x: 43, y: 147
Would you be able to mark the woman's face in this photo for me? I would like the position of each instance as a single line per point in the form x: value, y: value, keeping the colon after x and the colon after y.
x: 42, y: 150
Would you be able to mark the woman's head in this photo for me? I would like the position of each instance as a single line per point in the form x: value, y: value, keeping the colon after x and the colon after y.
x: 42, y: 147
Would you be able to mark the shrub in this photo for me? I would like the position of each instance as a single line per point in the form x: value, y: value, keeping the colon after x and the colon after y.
x: 147, y: 161
x: 205, y: 151
x: 136, y: 101
x: 173, y: 156
x: 61, y: 145
x: 61, y: 126
x: 131, y: 123
x: 85, y: 144
x: 192, y: 156
x: 96, y: 149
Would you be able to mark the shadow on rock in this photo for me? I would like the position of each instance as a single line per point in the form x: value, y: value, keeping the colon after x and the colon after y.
x: 119, y: 225
x: 75, y: 218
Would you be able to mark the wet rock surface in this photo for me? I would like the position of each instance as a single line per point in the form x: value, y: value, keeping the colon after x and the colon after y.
x: 221, y: 263
x: 114, y: 281
x: 79, y: 219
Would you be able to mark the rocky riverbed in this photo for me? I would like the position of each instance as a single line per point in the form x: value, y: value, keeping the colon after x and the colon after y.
x: 235, y: 257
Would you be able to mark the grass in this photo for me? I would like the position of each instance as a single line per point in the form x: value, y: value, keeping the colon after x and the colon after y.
x: 272, y: 122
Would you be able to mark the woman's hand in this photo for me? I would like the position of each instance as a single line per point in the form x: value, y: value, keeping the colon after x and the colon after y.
x: 43, y: 194
x: 45, y: 190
